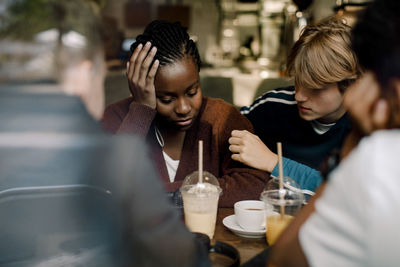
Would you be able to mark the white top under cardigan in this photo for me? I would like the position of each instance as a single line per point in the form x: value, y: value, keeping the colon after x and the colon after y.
x: 172, y: 166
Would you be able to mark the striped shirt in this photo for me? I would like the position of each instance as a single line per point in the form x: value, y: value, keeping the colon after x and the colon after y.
x: 275, y: 117
x: 277, y: 96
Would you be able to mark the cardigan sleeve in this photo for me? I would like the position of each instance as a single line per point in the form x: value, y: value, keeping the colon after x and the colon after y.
x: 238, y: 181
x: 128, y: 117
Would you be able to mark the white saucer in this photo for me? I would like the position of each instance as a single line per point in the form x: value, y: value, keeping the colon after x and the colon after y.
x: 230, y: 223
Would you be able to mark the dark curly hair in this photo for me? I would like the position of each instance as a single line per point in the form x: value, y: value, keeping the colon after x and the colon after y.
x: 172, y: 41
x: 376, y: 39
x: 376, y: 42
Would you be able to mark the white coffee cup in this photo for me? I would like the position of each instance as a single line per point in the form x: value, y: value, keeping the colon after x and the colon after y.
x: 250, y: 214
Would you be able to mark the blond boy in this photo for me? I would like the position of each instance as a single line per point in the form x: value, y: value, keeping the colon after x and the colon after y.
x: 308, y: 118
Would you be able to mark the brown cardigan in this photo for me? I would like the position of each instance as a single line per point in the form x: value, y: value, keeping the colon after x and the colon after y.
x: 213, y: 125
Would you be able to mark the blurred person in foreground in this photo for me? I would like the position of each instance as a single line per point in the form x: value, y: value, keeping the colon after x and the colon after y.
x: 50, y: 145
x: 309, y: 118
x: 354, y: 219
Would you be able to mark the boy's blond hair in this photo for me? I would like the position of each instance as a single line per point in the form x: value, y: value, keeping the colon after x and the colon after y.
x: 323, y: 56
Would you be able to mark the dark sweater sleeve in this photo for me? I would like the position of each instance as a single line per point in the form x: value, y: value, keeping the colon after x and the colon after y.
x: 238, y: 181
x: 128, y: 117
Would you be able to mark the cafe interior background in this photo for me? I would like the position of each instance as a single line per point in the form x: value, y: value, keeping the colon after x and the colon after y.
x: 243, y: 44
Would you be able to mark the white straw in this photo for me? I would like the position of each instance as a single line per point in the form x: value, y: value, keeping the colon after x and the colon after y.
x: 200, y: 161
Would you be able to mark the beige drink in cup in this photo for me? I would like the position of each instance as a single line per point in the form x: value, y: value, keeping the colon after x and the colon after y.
x: 200, y: 202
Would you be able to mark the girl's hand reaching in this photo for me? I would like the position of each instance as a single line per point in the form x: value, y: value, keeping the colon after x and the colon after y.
x: 250, y: 150
x: 141, y: 74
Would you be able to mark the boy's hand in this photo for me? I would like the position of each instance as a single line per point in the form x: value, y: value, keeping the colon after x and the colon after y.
x: 250, y: 150
x: 141, y: 76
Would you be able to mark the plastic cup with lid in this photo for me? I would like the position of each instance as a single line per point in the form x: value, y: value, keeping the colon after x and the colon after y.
x: 281, y: 205
x: 200, y: 202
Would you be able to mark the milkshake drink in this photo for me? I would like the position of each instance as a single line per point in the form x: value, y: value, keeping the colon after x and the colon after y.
x: 200, y: 203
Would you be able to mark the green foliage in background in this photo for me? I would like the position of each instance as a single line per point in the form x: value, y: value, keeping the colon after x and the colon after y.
x: 25, y: 18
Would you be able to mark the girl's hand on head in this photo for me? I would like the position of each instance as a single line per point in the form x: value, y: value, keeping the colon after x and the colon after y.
x: 141, y: 76
x: 364, y: 103
x: 250, y: 150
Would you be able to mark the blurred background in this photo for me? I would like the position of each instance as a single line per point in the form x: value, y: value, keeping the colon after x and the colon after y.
x: 243, y: 44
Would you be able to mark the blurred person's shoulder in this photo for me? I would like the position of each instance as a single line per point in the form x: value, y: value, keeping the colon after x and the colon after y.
x: 42, y: 107
x: 379, y: 152
x: 380, y: 143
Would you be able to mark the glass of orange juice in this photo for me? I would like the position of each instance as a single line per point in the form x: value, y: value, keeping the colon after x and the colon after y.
x: 281, y: 205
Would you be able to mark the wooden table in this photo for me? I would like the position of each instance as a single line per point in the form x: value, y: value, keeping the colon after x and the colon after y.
x: 247, y: 247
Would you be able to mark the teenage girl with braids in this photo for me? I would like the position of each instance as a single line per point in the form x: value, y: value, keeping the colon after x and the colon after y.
x: 168, y: 109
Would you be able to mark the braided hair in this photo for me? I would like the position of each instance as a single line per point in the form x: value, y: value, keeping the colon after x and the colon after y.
x: 172, y: 42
